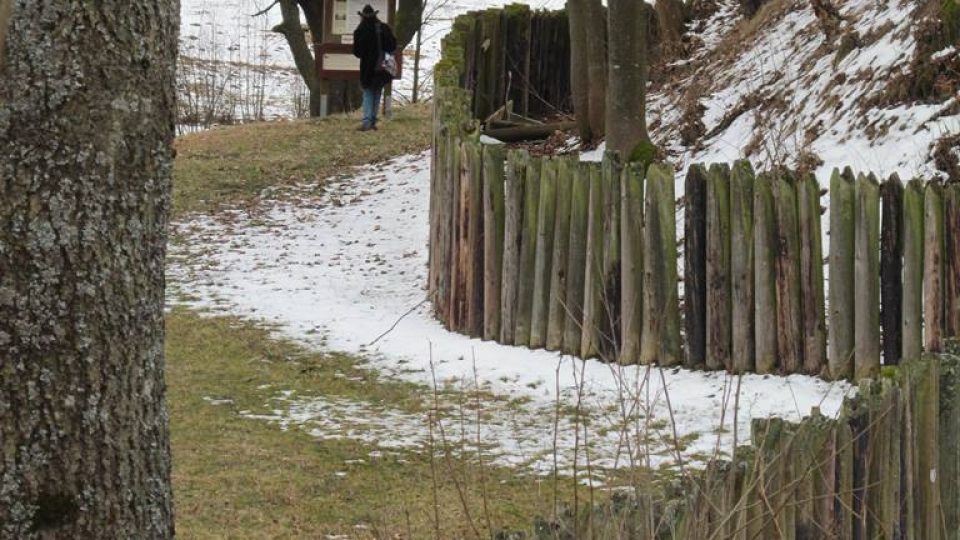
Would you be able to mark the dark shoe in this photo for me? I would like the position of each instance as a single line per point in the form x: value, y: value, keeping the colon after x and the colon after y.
x: 364, y: 128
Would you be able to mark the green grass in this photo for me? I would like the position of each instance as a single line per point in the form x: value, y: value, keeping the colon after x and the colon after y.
x: 236, y: 477
x: 231, y: 165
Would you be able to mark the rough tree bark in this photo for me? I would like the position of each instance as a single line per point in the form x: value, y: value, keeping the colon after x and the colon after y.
x: 292, y: 31
x: 626, y: 88
x: 597, y: 65
x: 579, y: 74
x: 87, y: 109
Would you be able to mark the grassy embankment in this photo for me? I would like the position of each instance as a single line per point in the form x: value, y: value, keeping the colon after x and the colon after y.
x: 236, y: 477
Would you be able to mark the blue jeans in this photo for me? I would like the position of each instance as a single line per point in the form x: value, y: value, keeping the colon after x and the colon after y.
x: 371, y: 102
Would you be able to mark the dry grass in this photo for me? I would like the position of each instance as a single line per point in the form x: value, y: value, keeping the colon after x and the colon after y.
x: 236, y: 477
x: 232, y: 165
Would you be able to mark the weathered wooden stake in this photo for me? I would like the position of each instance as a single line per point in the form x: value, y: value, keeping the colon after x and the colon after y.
x: 512, y: 239
x: 546, y: 220
x: 593, y: 277
x: 631, y: 237
x: 789, y: 308
x: 610, y: 318
x: 695, y: 267
x: 933, y: 286
x: 811, y: 277
x: 660, y: 337
x: 493, y: 231
x: 765, y: 249
x: 577, y: 263
x: 472, y: 254
x: 891, y: 269
x: 719, y: 334
x: 557, y: 299
x: 913, y: 240
x: 951, y: 228
x: 867, y: 279
x: 528, y: 251
x: 741, y: 267
x: 842, y: 293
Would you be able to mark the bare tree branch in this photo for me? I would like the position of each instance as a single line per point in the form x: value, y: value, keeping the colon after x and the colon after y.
x: 262, y: 11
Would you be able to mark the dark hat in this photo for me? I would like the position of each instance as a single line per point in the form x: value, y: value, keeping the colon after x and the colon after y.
x: 368, y: 11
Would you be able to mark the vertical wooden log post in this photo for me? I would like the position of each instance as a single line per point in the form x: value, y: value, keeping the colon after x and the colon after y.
x: 436, y: 150
x: 660, y: 337
x: 867, y: 279
x: 741, y: 267
x: 493, y: 231
x: 610, y: 318
x: 443, y: 214
x: 695, y: 266
x: 719, y: 333
x: 933, y: 287
x: 577, y: 262
x: 811, y: 276
x: 461, y: 193
x: 512, y: 240
x: 593, y: 277
x: 949, y: 428
x: 546, y: 219
x: 951, y: 228
x: 473, y: 254
x: 631, y: 249
x: 557, y: 299
x: 913, y: 240
x: 528, y: 250
x: 845, y: 487
x: 925, y: 376
x: 842, y: 242
x: 891, y: 269
x: 765, y: 251
x: 789, y: 308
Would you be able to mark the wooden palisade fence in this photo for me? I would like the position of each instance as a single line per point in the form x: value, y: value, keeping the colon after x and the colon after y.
x: 583, y: 258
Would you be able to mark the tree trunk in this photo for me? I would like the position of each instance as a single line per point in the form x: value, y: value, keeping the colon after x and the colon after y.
x: 302, y: 55
x: 596, y: 41
x: 409, y: 21
x: 579, y: 75
x: 85, y: 166
x: 626, y: 95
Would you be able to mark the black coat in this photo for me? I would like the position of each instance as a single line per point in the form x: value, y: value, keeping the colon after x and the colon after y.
x: 365, y: 48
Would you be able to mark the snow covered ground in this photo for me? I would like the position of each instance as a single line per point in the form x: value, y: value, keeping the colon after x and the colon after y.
x: 337, y: 270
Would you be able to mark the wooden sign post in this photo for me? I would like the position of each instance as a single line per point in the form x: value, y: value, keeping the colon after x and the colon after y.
x: 334, y: 50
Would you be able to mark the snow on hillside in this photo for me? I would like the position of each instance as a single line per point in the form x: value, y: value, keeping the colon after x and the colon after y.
x: 781, y: 90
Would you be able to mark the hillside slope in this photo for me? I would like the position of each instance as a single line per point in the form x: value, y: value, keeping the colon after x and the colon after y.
x: 875, y: 89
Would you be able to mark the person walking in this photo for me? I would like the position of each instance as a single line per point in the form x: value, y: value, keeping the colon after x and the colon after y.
x: 374, y: 44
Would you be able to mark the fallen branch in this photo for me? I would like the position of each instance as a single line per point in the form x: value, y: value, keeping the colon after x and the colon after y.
x: 528, y: 133
x: 402, y: 317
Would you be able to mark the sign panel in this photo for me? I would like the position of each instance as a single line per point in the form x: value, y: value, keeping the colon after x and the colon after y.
x: 346, y: 18
x: 333, y: 61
